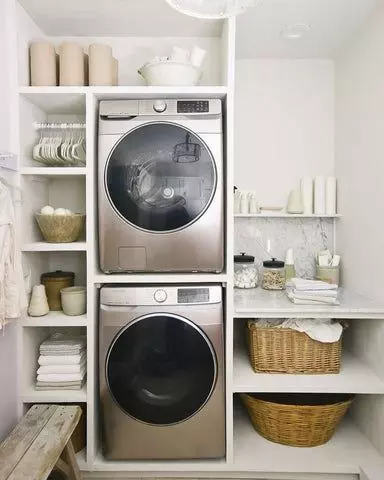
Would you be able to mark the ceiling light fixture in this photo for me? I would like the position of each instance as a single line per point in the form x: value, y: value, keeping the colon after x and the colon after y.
x: 296, y: 31
x: 212, y: 9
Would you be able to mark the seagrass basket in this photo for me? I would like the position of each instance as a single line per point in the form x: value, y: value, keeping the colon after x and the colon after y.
x: 61, y: 228
x: 297, y: 420
x: 283, y: 350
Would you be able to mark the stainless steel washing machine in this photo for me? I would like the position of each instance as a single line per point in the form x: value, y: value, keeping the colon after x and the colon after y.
x: 160, y: 202
x: 161, y: 355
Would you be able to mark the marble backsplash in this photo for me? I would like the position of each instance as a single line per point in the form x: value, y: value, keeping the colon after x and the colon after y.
x: 305, y: 236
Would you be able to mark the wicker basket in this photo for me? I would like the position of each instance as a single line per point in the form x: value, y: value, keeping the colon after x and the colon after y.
x: 61, y: 228
x: 296, y: 420
x: 283, y: 350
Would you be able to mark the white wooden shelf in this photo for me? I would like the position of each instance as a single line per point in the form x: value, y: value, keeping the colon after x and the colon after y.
x: 30, y: 395
x: 55, y: 319
x: 161, y: 278
x: 56, y: 100
x: 343, y: 454
x: 355, y: 377
x: 54, y: 247
x: 259, y: 303
x: 54, y: 172
x: 283, y: 215
x: 36, y: 94
x: 102, y: 465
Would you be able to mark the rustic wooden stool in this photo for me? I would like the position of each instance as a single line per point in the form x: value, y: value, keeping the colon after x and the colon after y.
x: 34, y: 447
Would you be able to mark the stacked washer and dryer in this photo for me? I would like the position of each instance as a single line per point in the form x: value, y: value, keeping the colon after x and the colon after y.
x: 161, y: 210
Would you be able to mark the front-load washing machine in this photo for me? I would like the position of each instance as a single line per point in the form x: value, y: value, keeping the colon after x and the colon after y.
x: 160, y: 177
x: 161, y: 356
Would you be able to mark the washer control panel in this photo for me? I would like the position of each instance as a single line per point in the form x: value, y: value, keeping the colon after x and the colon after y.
x: 193, y: 106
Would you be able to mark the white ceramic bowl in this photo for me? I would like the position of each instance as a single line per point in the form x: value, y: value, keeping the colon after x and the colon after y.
x: 170, y: 74
x: 74, y: 300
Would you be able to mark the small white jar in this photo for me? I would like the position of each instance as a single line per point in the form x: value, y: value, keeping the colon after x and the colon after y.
x: 74, y: 300
x: 246, y: 274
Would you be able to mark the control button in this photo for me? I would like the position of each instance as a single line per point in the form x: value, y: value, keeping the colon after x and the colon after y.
x: 160, y: 296
x: 168, y: 192
x: 160, y: 106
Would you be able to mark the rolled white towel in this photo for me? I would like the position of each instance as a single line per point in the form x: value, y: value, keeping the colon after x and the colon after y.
x: 62, y: 359
x: 61, y: 368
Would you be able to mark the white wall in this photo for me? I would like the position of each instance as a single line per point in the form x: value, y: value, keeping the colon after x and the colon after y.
x: 360, y: 163
x: 284, y: 126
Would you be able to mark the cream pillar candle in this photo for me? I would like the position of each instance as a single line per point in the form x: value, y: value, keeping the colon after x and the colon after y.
x: 331, y: 195
x: 43, y: 68
x: 320, y: 195
x: 100, y: 65
x: 71, y: 65
x: 307, y: 195
x: 115, y: 71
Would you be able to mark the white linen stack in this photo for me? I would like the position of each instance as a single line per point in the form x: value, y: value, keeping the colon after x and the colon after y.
x: 62, y: 363
x: 312, y: 292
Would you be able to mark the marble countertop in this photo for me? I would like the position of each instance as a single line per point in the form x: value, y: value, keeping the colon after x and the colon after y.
x: 266, y: 304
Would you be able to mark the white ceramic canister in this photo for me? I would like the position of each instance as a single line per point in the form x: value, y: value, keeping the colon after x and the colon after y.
x: 100, y: 65
x: 38, y: 305
x: 43, y: 65
x: 74, y: 300
x: 72, y: 71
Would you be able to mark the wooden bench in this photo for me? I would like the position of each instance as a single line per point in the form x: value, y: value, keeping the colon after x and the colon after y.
x: 33, y: 449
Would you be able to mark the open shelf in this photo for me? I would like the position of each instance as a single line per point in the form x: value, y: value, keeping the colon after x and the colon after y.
x: 259, y: 303
x: 343, y: 454
x: 52, y: 172
x: 161, y: 278
x: 283, y: 215
x: 70, y: 96
x: 55, y: 319
x: 54, y: 247
x: 355, y: 377
x: 30, y: 395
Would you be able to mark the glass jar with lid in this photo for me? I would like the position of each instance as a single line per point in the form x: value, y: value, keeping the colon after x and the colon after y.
x: 246, y: 274
x: 273, y: 275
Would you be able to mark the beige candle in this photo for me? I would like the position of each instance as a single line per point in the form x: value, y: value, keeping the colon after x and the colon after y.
x: 115, y: 71
x: 71, y: 65
x: 43, y: 68
x: 100, y: 65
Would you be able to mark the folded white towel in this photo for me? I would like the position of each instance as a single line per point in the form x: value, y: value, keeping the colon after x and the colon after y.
x: 313, y: 298
x: 60, y: 384
x: 61, y: 342
x: 313, y: 301
x: 61, y: 377
x: 61, y: 368
x: 41, y: 388
x: 61, y: 359
x: 304, y: 284
x: 318, y: 293
x: 59, y: 353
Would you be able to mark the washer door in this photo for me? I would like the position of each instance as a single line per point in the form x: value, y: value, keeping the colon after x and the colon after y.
x: 161, y: 369
x: 160, y: 177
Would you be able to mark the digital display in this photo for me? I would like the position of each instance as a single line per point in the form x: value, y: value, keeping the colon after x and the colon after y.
x: 193, y: 295
x: 193, y: 106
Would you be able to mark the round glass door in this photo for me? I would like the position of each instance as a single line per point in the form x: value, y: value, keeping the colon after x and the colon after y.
x: 160, y: 177
x: 161, y: 369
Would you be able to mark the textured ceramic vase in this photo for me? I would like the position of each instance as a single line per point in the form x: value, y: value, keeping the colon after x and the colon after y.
x: 72, y: 71
x: 38, y: 306
x: 100, y: 65
x: 43, y: 65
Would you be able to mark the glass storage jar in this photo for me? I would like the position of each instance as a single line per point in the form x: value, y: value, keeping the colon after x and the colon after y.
x: 273, y: 275
x: 246, y: 274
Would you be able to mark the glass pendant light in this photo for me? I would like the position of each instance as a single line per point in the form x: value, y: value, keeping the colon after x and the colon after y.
x: 212, y: 8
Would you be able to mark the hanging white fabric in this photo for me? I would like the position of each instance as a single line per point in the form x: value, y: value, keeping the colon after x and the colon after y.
x: 13, y: 300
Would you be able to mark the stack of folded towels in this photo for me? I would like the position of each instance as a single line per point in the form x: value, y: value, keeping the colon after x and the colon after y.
x: 312, y: 292
x: 62, y: 363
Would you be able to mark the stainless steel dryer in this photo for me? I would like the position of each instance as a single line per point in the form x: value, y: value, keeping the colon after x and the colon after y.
x: 161, y: 186
x: 161, y: 369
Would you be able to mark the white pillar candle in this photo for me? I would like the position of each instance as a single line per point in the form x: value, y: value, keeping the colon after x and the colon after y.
x: 115, y: 72
x: 307, y: 195
x: 331, y: 196
x: 320, y: 195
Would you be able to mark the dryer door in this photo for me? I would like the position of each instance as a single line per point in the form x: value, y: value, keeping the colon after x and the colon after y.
x: 161, y: 369
x: 160, y: 177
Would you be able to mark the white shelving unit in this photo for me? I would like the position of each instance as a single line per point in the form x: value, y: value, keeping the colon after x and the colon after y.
x: 248, y: 454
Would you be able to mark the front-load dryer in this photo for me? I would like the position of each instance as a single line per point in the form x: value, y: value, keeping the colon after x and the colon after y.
x: 160, y: 178
x: 161, y: 363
